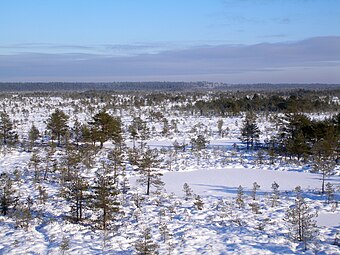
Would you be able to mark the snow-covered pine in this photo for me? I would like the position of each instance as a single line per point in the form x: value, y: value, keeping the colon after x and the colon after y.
x: 300, y: 219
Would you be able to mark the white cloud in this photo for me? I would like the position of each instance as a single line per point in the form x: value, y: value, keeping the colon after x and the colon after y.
x: 311, y: 60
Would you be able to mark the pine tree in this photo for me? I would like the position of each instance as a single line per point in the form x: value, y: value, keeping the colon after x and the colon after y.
x: 33, y: 135
x: 76, y: 132
x: 7, y: 194
x: 75, y: 191
x: 34, y: 162
x: 64, y: 245
x: 164, y: 230
x: 300, y: 220
x: 144, y: 132
x: 239, y: 197
x: 116, y: 158
x: 220, y: 127
x: 133, y: 130
x: 150, y: 175
x: 43, y: 196
x: 188, y: 193
x: 49, y: 159
x: 329, y: 192
x: 275, y: 194
x: 105, y: 127
x: 145, y: 245
x: 198, y: 202
x: 293, y: 135
x: 250, y: 132
x: 166, y: 127
x: 22, y: 214
x: 298, y: 146
x: 71, y: 163
x: 57, y: 123
x: 7, y: 134
x: 325, y: 167
x: 105, y: 198
x: 254, y: 190
x: 199, y: 143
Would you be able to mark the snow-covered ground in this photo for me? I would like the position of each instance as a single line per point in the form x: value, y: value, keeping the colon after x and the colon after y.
x: 177, y: 225
x: 224, y: 182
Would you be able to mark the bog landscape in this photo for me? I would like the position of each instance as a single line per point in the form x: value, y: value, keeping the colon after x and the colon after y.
x: 194, y: 127
x: 189, y: 172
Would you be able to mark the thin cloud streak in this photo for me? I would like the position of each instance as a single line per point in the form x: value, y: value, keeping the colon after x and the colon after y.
x: 312, y: 60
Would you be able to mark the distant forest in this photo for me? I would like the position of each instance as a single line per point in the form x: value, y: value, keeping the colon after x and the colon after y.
x: 155, y: 86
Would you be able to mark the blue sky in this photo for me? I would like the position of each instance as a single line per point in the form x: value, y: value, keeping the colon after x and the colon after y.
x: 235, y: 41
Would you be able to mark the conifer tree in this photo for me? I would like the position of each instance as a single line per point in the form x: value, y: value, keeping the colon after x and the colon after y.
x: 220, y: 127
x: 76, y: 132
x: 301, y: 220
x: 329, y: 192
x: 34, y: 162
x: 325, y: 166
x: 116, y: 158
x: 50, y: 164
x: 105, y: 127
x: 188, y: 193
x: 250, y: 132
x: 22, y: 214
x: 105, y: 199
x: 275, y: 194
x: 166, y: 127
x: 150, y: 175
x: 7, y: 134
x: 7, y: 194
x: 71, y: 163
x: 75, y: 191
x: 198, y: 202
x: 145, y: 245
x: 33, y: 135
x: 199, y: 143
x: 239, y: 197
x: 164, y: 230
x: 57, y: 123
x: 64, y: 245
x: 254, y: 190
x: 42, y: 196
x: 293, y: 134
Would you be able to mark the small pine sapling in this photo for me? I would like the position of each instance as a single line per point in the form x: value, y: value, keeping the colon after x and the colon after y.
x: 275, y: 194
x: 239, y: 197
x: 255, y: 207
x: 23, y: 216
x: 145, y: 245
x: 329, y: 192
x: 188, y: 193
x: 254, y: 190
x: 198, y: 202
x: 43, y: 196
x: 164, y: 230
x: 64, y: 245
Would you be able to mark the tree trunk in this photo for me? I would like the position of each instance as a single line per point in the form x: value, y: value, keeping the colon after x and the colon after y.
x: 58, y: 137
x: 148, y: 184
x: 323, y: 182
